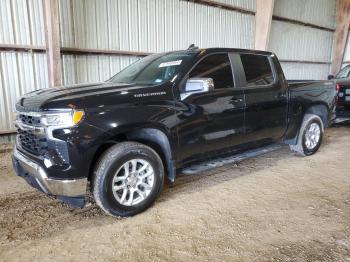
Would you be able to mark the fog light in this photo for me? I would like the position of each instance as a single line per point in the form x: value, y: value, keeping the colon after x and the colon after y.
x: 47, y: 162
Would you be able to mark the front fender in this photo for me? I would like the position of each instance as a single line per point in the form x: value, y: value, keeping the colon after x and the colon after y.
x: 160, y: 142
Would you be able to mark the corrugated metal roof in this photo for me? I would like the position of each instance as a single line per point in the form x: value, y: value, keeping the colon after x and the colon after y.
x: 296, y: 42
x: 6, y: 25
x: 319, y: 12
x: 247, y: 4
x: 20, y: 73
x: 22, y: 22
x: 145, y: 26
x: 7, y: 139
x: 92, y: 68
x: 300, y: 71
x: 152, y: 25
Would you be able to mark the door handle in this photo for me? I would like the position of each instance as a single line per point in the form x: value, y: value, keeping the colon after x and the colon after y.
x: 280, y: 95
x: 237, y: 100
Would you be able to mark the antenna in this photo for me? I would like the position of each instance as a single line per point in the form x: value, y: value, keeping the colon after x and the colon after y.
x: 192, y: 46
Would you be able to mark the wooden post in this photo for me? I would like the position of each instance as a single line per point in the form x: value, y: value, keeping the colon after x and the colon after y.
x: 52, y: 41
x: 341, y: 34
x: 263, y: 18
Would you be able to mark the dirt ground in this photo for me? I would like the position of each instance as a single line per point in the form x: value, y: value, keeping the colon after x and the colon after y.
x: 276, y: 207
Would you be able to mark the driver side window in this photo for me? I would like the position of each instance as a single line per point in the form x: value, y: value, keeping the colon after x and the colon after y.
x: 217, y: 67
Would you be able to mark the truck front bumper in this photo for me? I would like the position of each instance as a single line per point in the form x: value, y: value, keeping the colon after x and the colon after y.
x: 70, y: 191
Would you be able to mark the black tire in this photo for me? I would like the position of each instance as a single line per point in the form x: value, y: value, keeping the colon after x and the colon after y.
x: 300, y: 148
x: 112, y: 161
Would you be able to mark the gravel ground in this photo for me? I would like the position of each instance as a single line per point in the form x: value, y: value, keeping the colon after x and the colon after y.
x: 276, y: 207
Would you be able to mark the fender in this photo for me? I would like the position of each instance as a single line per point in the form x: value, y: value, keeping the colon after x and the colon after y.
x: 321, y: 110
x: 159, y: 141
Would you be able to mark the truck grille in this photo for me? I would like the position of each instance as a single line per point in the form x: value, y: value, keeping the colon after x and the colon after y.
x: 32, y: 137
x: 27, y: 138
x: 31, y: 142
x: 29, y: 120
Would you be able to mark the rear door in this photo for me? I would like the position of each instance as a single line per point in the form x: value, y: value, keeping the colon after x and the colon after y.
x: 211, y: 123
x: 266, y: 99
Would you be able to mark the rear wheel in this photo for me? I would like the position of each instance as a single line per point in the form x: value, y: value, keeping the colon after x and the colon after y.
x: 310, y: 136
x: 127, y: 179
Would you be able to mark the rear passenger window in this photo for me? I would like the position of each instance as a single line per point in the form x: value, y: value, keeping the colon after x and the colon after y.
x: 257, y: 70
x: 217, y: 67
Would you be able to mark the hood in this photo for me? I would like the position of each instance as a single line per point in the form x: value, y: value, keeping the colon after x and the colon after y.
x: 81, y: 96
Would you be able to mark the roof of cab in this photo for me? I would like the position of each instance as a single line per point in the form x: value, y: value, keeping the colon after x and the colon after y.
x: 204, y: 51
x: 234, y: 50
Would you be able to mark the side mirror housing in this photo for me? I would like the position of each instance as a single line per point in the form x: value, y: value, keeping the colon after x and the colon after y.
x: 330, y: 77
x: 197, y: 85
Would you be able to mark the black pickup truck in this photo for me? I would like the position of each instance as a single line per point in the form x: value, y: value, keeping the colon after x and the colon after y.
x: 120, y: 139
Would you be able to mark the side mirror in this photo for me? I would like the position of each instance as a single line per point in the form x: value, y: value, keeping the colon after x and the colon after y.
x: 330, y: 77
x: 197, y: 85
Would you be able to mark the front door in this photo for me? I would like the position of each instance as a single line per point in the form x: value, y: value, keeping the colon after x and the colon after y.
x: 213, y: 122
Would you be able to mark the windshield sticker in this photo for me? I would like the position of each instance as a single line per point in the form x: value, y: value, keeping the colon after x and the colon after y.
x: 171, y: 63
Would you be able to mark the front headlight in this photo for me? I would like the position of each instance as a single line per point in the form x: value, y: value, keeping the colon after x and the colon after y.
x: 62, y: 119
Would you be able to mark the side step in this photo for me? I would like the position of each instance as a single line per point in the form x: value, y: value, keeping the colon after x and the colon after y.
x: 218, y: 162
x: 341, y: 119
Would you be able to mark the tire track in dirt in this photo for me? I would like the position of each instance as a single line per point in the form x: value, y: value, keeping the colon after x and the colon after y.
x: 32, y: 215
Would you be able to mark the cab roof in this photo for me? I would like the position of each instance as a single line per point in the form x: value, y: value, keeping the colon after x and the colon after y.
x: 221, y: 49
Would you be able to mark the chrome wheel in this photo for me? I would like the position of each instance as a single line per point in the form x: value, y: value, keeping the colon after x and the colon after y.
x: 133, y: 182
x: 312, y: 136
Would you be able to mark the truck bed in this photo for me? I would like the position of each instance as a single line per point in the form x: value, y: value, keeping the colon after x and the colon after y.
x: 310, y: 83
x: 325, y: 87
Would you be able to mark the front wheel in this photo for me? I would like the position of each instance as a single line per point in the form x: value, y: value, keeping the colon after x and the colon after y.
x: 310, y: 136
x: 127, y: 179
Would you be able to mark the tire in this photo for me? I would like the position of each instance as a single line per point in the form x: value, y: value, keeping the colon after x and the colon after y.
x: 119, y: 171
x: 304, y: 147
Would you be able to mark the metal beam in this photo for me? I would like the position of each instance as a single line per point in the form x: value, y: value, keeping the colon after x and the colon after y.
x: 52, y: 41
x: 263, y: 17
x: 222, y: 6
x: 341, y: 34
x: 22, y: 48
x: 91, y: 51
x: 7, y: 132
x: 298, y: 22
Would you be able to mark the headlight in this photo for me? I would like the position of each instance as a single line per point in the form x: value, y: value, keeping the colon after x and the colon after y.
x: 62, y: 119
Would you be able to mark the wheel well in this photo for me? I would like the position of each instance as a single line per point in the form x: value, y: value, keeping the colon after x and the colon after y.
x: 153, y: 138
x: 321, y: 111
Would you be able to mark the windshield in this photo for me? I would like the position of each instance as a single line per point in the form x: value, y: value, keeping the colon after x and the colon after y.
x: 153, y: 69
x: 344, y: 73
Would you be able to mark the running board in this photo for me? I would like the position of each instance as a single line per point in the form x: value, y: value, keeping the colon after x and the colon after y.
x: 218, y: 162
x: 341, y: 119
